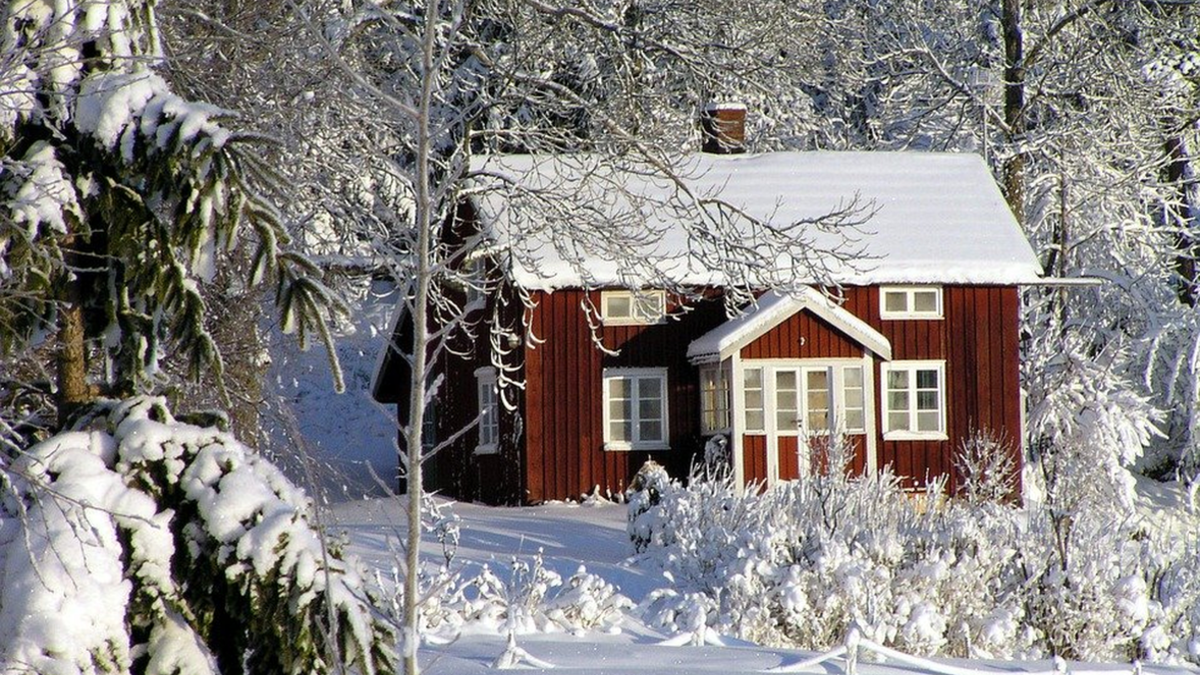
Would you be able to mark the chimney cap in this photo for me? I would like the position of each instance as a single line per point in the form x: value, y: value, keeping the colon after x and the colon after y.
x: 713, y: 106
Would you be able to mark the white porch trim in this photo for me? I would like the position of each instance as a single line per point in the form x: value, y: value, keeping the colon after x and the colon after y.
x: 772, y: 309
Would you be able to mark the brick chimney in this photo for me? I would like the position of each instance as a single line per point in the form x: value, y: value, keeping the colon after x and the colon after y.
x: 723, y: 128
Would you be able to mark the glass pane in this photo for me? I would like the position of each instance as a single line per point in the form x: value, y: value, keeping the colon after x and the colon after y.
x: 618, y: 388
x: 818, y: 420
x: 897, y: 379
x: 649, y: 387
x: 754, y: 420
x: 754, y: 378
x: 754, y: 399
x: 617, y: 306
x: 619, y: 431
x: 785, y: 379
x: 650, y: 431
x: 785, y: 420
x: 852, y: 377
x: 895, y: 301
x: 854, y: 420
x: 651, y: 307
x: 619, y: 410
x: 898, y: 400
x: 925, y: 301
x: 897, y: 421
x: 650, y: 409
x: 818, y: 398
x: 927, y: 400
x: 927, y: 379
x: 817, y: 379
x: 927, y: 421
x: 854, y: 398
x: 785, y: 400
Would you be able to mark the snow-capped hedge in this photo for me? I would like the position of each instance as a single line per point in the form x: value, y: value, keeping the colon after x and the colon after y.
x: 161, y: 547
x: 800, y: 563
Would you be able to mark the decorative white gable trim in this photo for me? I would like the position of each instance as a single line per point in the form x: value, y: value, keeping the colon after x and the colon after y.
x: 772, y: 309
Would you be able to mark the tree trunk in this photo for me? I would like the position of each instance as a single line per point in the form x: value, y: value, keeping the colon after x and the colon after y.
x: 419, y: 376
x: 1182, y: 218
x: 71, y: 360
x: 1014, y: 106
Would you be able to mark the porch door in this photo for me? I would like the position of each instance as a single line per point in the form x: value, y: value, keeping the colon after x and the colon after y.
x: 810, y: 401
x: 802, y: 398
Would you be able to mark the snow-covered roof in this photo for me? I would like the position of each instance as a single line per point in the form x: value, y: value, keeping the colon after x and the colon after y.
x: 939, y: 217
x: 774, y: 308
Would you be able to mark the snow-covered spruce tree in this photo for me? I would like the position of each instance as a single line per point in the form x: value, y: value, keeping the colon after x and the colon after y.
x: 118, y: 198
x: 154, y: 546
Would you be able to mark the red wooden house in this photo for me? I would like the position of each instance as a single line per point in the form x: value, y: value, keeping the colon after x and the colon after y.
x: 917, y: 351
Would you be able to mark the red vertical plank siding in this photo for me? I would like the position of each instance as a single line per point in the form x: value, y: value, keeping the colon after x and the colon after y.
x: 567, y: 369
x: 563, y: 457
x: 789, y: 461
x: 754, y: 466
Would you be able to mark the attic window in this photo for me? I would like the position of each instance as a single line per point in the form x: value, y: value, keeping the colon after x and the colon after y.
x: 910, y: 302
x: 630, y: 308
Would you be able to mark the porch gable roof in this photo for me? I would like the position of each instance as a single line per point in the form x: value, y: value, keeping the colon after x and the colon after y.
x: 772, y: 309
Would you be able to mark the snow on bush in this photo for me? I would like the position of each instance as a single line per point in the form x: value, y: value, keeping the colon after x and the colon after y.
x: 160, y: 547
x: 529, y: 599
x: 802, y: 562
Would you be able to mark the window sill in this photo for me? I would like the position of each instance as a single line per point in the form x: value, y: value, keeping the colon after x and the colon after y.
x: 609, y: 323
x: 487, y: 450
x: 889, y: 316
x: 915, y: 436
x: 627, y: 447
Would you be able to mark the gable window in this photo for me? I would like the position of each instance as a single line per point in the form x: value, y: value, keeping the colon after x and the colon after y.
x: 910, y: 302
x: 635, y: 409
x: 714, y: 399
x: 629, y: 308
x: 914, y: 400
x: 489, y: 411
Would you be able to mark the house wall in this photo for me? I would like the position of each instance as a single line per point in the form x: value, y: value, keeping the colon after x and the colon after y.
x: 978, y: 339
x: 564, y: 435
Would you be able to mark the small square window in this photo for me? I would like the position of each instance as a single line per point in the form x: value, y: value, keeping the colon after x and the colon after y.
x: 910, y: 302
x: 633, y: 308
x: 914, y: 404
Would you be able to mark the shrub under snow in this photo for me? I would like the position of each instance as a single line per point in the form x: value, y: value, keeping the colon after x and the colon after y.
x: 801, y: 563
x: 160, y: 547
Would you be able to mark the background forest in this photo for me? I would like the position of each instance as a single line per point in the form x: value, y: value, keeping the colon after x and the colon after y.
x: 304, y: 160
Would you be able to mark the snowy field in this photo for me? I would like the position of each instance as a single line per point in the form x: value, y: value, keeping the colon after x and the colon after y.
x: 593, y: 535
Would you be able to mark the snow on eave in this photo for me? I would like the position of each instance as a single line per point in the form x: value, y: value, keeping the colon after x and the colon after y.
x: 772, y: 309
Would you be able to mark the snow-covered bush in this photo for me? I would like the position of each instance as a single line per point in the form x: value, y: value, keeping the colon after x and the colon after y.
x: 530, y: 599
x: 160, y: 547
x: 802, y: 562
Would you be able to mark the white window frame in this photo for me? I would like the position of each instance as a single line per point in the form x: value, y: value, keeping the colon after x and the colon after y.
x: 612, y: 374
x: 910, y: 434
x: 489, y: 424
x: 909, y: 293
x: 722, y: 397
x: 763, y: 409
x: 647, y: 308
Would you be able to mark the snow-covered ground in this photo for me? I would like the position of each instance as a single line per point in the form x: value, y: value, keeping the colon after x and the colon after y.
x: 571, y: 535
